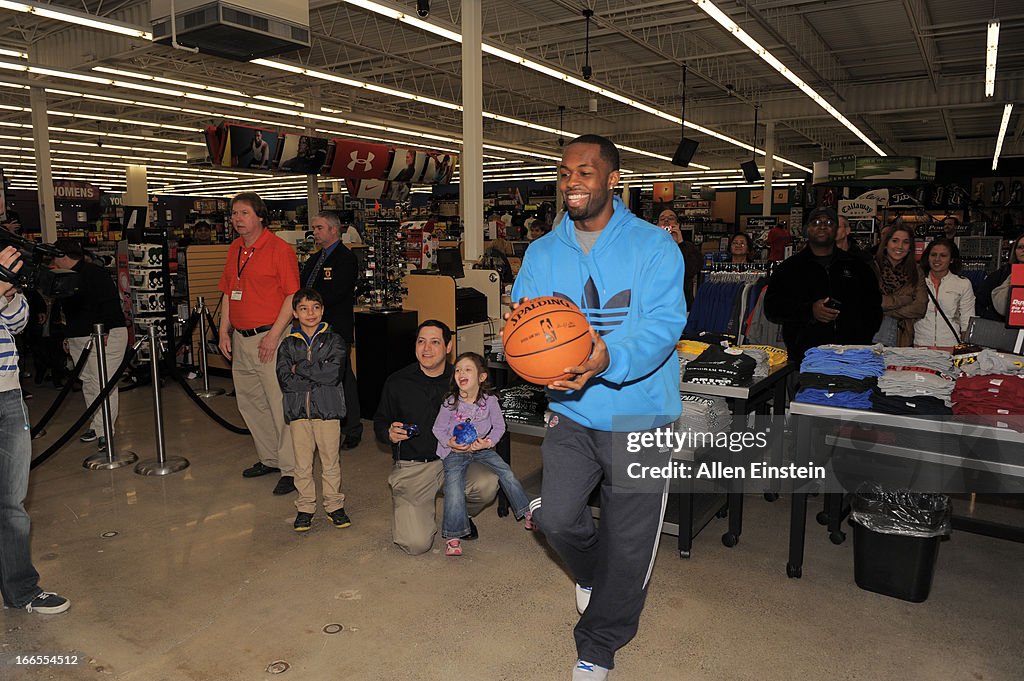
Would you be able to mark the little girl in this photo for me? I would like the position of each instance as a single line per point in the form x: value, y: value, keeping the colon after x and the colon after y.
x: 471, y: 399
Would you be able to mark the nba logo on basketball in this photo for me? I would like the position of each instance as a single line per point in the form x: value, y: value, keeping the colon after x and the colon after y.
x: 548, y: 330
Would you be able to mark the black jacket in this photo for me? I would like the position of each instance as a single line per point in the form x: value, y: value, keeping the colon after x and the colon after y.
x: 336, y: 282
x: 309, y: 372
x: 410, y: 396
x: 801, y: 280
x: 95, y: 302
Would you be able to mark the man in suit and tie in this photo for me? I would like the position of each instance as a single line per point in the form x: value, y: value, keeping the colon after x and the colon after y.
x: 332, y: 272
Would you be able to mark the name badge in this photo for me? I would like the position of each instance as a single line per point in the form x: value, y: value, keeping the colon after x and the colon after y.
x: 327, y: 274
x: 236, y: 294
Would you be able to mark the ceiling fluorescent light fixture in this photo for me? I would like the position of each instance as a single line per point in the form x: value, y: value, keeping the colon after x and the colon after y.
x: 572, y: 80
x: 1003, y: 125
x: 709, y: 8
x: 13, y: 53
x: 77, y: 18
x: 991, y: 52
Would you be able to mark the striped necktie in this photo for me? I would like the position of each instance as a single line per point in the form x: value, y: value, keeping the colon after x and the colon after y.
x: 316, y: 270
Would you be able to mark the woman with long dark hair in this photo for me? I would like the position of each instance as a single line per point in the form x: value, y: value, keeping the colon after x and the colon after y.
x: 904, y: 297
x: 950, y: 297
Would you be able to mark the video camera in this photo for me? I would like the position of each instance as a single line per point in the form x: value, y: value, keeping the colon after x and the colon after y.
x: 34, y: 272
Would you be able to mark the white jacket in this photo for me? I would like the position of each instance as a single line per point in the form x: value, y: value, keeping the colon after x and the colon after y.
x: 956, y: 296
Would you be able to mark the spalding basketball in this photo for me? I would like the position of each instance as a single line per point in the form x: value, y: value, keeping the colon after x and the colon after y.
x: 543, y: 337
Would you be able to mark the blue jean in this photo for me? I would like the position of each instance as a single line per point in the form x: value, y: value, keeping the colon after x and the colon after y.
x: 456, y: 520
x: 19, y: 581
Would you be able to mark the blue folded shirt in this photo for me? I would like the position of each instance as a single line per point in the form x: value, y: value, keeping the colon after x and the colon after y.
x: 843, y: 398
x: 858, y: 363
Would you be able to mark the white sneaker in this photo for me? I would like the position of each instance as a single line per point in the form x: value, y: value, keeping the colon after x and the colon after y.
x: 588, y: 671
x: 582, y: 598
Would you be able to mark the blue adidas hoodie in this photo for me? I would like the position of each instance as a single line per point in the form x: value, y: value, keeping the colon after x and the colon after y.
x: 630, y: 287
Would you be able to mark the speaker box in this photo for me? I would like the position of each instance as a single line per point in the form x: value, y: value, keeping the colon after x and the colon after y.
x: 750, y: 172
x: 684, y: 152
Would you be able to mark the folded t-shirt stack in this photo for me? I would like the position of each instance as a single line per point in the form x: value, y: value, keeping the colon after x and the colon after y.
x: 720, y: 366
x: 998, y: 396
x: 523, y: 403
x: 912, y: 406
x: 688, y: 351
x: 940, y: 360
x: 990, y: 361
x: 777, y: 357
x: 840, y: 375
x: 918, y: 373
x: 762, y: 367
x: 704, y: 414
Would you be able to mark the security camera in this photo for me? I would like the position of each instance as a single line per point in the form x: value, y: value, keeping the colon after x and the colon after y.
x: 423, y: 8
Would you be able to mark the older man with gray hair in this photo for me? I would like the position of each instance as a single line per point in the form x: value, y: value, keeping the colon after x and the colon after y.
x: 332, y: 272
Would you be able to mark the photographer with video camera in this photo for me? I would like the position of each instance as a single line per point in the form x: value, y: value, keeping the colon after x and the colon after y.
x: 95, y: 302
x: 19, y: 581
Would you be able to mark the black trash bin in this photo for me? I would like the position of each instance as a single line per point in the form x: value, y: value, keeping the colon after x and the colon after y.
x: 896, y: 535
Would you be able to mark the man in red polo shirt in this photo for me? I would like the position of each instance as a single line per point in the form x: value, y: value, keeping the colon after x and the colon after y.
x: 260, y: 276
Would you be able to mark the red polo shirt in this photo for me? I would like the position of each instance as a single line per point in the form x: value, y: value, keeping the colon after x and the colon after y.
x: 266, y: 274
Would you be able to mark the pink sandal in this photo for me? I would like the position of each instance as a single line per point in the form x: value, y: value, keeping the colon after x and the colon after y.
x: 453, y: 547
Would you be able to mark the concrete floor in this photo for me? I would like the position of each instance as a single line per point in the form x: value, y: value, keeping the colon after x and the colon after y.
x: 205, y: 580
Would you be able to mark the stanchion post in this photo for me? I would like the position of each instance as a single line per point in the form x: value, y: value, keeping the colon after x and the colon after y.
x: 206, y: 392
x: 107, y: 458
x: 162, y: 464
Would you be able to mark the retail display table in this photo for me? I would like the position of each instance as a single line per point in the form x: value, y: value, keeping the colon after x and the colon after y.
x: 753, y: 396
x: 913, y: 452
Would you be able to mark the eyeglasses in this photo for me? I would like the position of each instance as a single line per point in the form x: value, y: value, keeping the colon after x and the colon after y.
x: 668, y: 221
x: 823, y: 222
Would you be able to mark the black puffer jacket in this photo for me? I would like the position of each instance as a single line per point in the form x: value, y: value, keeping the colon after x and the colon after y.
x: 309, y: 372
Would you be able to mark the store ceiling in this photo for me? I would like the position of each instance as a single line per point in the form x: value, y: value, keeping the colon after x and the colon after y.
x: 908, y: 74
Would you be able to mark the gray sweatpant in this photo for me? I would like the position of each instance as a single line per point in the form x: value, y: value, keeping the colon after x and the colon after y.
x: 615, y: 557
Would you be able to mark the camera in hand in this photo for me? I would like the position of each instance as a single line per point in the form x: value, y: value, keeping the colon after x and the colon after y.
x: 34, y: 272
x: 834, y: 304
x: 411, y: 429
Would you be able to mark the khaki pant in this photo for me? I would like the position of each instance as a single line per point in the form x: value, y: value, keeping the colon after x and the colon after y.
x: 309, y: 435
x: 116, y: 343
x: 259, y: 401
x: 414, y: 488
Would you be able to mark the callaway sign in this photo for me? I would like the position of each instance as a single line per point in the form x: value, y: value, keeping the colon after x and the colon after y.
x: 857, y: 208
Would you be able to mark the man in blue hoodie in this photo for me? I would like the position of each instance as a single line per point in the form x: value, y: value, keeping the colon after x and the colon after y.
x: 626, y: 276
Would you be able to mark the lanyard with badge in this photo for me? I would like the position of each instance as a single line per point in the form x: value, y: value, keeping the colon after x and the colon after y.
x: 240, y: 266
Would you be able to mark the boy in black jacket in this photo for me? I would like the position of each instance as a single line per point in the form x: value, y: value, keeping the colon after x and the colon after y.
x: 309, y: 363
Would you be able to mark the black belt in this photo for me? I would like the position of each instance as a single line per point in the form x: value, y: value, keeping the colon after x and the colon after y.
x: 434, y: 458
x: 249, y: 333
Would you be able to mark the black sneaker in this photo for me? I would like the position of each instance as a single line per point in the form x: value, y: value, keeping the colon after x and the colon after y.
x: 473, y: 534
x: 286, y: 485
x: 48, y: 603
x: 303, y: 522
x: 339, y: 518
x: 88, y: 436
x: 350, y: 442
x: 258, y: 469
